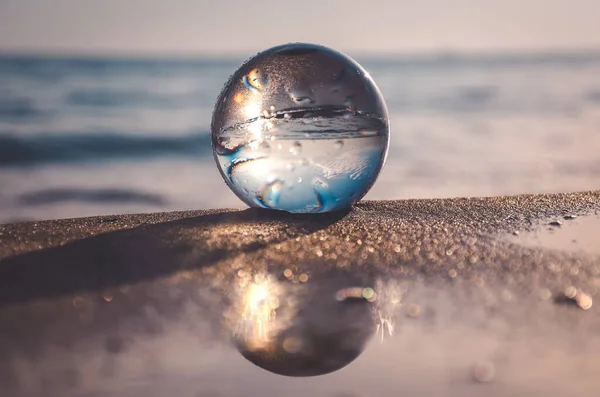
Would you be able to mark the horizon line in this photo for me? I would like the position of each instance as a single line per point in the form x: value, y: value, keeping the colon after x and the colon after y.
x: 234, y: 55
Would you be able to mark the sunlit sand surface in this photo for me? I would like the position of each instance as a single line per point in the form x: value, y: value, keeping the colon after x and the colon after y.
x: 427, y: 297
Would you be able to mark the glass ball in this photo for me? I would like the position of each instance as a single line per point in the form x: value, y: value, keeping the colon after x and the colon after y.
x: 300, y: 128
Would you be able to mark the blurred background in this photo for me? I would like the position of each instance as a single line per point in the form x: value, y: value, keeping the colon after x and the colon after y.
x: 105, y: 106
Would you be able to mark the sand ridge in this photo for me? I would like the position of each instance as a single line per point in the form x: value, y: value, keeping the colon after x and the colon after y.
x: 446, y: 275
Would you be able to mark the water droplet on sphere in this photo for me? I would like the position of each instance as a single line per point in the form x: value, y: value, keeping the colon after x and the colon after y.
x: 308, y: 122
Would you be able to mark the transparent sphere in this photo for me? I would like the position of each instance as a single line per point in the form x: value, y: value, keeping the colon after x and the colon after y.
x: 300, y: 128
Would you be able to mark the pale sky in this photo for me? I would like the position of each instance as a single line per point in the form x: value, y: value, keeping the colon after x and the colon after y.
x: 237, y: 26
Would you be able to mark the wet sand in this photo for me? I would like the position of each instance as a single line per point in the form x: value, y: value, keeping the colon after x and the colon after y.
x: 458, y: 303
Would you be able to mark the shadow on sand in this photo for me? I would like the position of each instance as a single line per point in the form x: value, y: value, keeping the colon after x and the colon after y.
x: 147, y: 252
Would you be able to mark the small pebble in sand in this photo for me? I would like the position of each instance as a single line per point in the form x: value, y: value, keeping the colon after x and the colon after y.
x: 516, y: 232
x: 580, y: 298
x: 583, y: 300
x: 570, y: 217
x: 303, y: 277
x: 484, y: 371
x: 555, y: 223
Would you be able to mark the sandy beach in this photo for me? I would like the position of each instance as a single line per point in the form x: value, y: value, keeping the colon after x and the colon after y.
x: 473, y: 296
x: 134, y: 135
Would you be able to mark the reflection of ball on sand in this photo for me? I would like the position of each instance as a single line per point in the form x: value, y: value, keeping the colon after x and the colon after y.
x: 309, y: 330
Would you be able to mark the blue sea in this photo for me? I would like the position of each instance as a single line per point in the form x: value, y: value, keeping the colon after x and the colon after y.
x: 84, y: 136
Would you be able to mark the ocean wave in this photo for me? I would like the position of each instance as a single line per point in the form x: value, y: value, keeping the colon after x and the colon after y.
x: 54, y: 68
x: 133, y: 98
x: 18, y: 109
x: 103, y: 195
x: 34, y: 150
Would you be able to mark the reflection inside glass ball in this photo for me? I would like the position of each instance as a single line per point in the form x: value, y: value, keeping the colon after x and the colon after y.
x: 302, y: 326
x: 300, y: 128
